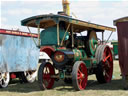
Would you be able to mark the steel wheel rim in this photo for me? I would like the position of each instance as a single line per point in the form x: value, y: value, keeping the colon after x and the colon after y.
x: 30, y: 75
x: 5, y: 79
x: 82, y: 76
x: 107, y: 64
x: 48, y: 71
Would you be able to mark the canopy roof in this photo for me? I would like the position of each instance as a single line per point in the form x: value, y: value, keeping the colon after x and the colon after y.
x: 49, y: 20
x: 124, y: 19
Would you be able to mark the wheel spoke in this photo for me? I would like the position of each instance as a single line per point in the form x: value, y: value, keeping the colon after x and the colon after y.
x: 78, y: 76
x: 80, y: 83
x: 45, y: 84
x: 106, y: 65
x: 106, y: 74
x: 46, y: 69
x: 48, y: 80
x: 106, y: 58
x: 79, y: 71
x: 111, y: 59
x: 84, y: 82
x: 82, y: 68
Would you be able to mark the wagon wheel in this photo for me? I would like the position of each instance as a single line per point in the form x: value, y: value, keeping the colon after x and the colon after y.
x: 79, y: 76
x: 104, y: 70
x: 4, y: 79
x: 46, y: 70
x: 28, y: 76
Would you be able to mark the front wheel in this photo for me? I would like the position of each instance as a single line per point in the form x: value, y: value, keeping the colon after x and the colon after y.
x: 45, y: 79
x: 79, y: 76
x: 4, y: 79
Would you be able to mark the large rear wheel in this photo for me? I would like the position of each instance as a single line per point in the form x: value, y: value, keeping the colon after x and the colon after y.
x: 45, y: 72
x: 104, y: 69
x: 79, y: 76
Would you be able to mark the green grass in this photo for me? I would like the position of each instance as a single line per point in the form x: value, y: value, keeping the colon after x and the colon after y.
x: 114, y: 88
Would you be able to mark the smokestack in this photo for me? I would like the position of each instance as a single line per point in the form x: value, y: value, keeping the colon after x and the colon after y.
x: 66, y: 8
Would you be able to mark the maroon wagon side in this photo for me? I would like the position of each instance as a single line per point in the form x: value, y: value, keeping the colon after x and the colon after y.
x: 122, y: 28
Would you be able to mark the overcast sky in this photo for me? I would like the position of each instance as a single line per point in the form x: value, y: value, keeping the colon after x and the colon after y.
x: 96, y: 11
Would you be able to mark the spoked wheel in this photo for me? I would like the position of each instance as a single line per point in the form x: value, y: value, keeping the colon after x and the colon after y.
x: 4, y: 79
x: 105, y: 67
x: 45, y: 72
x: 28, y: 76
x: 79, y: 76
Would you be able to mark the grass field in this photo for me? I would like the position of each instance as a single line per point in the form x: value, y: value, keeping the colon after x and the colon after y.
x: 114, y: 88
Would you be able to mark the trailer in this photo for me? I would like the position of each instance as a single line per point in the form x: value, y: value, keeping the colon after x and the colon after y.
x: 18, y: 56
x: 122, y: 30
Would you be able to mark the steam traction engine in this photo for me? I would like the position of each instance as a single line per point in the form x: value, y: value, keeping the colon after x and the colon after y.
x: 74, y: 55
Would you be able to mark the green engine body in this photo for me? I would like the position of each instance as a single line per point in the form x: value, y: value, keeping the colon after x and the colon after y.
x: 83, y: 50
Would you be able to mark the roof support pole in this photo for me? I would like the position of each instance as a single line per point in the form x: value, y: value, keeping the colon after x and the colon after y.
x: 102, y: 37
x: 58, y: 35
x: 72, y: 36
x: 38, y: 34
x: 109, y: 37
x: 65, y: 34
x: 32, y: 36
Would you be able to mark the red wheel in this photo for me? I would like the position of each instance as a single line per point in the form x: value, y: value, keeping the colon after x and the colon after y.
x: 79, y: 75
x: 105, y: 67
x: 46, y: 70
x: 107, y: 64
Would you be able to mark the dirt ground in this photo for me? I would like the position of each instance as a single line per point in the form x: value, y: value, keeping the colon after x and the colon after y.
x: 114, y: 88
